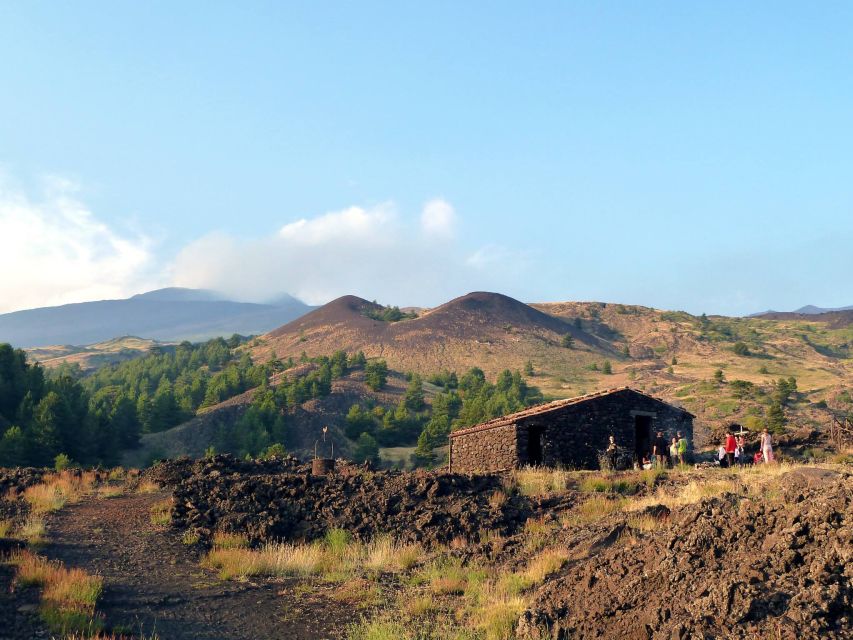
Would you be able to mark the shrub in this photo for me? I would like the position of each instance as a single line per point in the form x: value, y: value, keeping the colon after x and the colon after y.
x: 741, y: 349
x: 61, y: 462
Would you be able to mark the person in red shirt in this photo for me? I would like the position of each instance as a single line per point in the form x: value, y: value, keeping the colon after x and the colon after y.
x: 731, y: 445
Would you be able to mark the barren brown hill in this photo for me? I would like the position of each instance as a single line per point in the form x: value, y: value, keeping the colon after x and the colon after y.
x: 92, y: 356
x: 488, y: 330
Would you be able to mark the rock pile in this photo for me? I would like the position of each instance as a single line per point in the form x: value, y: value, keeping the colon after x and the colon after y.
x: 18, y: 479
x: 762, y: 567
x: 281, y: 500
x: 13, y: 481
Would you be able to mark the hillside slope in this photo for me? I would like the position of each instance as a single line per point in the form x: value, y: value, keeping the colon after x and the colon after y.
x: 304, y: 423
x: 488, y: 330
x: 674, y: 355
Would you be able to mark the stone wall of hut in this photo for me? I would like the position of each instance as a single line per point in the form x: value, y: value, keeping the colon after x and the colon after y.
x: 482, y: 451
x: 575, y: 435
x: 572, y: 437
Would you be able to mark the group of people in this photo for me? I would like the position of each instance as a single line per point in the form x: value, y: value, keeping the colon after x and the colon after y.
x: 663, y: 453
x: 733, y: 449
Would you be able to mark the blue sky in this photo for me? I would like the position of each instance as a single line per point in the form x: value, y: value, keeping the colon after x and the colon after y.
x: 681, y: 155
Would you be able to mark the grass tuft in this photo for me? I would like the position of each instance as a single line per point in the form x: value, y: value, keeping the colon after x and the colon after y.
x: 33, y: 530
x: 161, y: 513
x: 147, y: 486
x: 190, y: 538
x: 536, y: 481
x: 68, y: 595
x: 223, y: 540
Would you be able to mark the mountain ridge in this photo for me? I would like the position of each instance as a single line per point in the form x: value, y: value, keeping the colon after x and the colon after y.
x: 168, y: 315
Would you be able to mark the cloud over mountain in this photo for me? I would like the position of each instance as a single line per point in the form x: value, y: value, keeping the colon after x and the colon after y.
x: 56, y: 250
x: 374, y: 251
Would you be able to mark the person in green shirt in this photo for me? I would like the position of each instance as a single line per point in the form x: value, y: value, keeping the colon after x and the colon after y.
x: 682, y: 448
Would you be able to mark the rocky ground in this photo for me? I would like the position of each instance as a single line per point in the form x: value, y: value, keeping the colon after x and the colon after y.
x: 724, y: 567
x: 761, y: 553
x: 153, y: 582
x: 281, y: 500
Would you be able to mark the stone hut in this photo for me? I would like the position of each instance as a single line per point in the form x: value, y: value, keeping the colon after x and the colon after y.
x: 571, y: 432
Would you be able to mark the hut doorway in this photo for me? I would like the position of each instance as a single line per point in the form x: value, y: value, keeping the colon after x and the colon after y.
x: 534, y: 445
x: 642, y: 436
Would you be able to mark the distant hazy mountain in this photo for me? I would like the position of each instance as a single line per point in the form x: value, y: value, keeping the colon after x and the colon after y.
x: 171, y: 314
x: 808, y: 310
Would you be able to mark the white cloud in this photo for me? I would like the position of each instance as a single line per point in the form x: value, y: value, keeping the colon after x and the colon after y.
x: 353, y: 224
x: 55, y: 250
x: 438, y: 218
x: 373, y: 252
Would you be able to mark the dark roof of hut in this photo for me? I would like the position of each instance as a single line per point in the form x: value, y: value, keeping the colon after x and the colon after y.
x: 547, y: 407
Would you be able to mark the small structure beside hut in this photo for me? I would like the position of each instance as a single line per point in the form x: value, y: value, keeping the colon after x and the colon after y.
x: 571, y: 432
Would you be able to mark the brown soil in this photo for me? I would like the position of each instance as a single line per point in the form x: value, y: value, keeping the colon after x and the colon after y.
x: 153, y: 583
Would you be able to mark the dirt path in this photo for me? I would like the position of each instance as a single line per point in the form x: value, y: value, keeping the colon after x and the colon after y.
x: 153, y: 583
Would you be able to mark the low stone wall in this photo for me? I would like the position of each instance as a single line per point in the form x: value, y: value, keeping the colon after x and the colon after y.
x: 482, y: 451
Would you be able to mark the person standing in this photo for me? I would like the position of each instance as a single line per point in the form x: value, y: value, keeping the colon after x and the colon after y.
x: 766, y: 446
x: 721, y: 456
x: 659, y: 450
x: 682, y: 448
x: 673, y: 451
x: 731, y: 445
x: 612, y: 451
x: 741, y: 451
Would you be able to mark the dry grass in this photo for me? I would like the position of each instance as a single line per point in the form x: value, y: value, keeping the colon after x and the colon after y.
x: 537, y: 533
x: 337, y: 557
x: 448, y: 576
x: 650, y: 477
x: 110, y: 491
x: 33, y: 530
x: 68, y: 596
x: 161, y: 513
x: 537, y: 481
x: 690, y: 493
x: 74, y: 588
x: 500, y: 601
x: 385, y: 554
x: 190, y: 537
x: 5, y: 528
x: 146, y: 486
x: 58, y: 489
x: 359, y: 592
x: 418, y: 606
x: 117, y: 474
x: 544, y: 564
x: 646, y: 522
x: 497, y: 499
x: 599, y: 484
x: 593, y: 510
x: 223, y: 540
x: 497, y: 620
